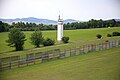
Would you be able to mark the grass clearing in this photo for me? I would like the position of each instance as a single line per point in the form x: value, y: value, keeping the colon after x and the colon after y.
x: 77, y: 38
x: 101, y: 65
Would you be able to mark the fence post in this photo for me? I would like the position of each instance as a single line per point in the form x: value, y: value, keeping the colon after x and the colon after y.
x: 92, y: 47
x: 83, y: 49
x: 112, y: 43
x: 34, y: 57
x: 10, y: 62
x: 88, y: 47
x: 0, y: 64
x: 79, y: 50
x: 18, y: 61
x: 95, y: 47
x: 119, y: 42
x: 75, y: 50
x: 62, y: 54
x: 105, y: 46
x: 70, y: 52
x: 99, y: 46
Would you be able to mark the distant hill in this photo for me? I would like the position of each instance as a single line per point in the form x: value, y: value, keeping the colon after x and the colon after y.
x: 70, y: 20
x: 118, y: 20
x: 36, y: 20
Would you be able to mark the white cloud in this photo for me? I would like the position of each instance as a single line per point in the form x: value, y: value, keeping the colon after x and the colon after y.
x: 75, y: 9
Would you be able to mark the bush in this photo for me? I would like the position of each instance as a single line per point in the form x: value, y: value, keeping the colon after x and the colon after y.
x: 65, y: 39
x: 48, y: 42
x: 106, y: 41
x: 109, y: 35
x: 116, y: 34
x: 99, y: 36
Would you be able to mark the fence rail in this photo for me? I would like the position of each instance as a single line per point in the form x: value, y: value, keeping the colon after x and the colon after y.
x: 34, y: 58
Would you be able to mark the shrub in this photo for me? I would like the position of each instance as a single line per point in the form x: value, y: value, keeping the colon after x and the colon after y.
x: 48, y: 42
x: 109, y: 35
x: 65, y: 39
x: 106, y: 41
x: 99, y: 36
x: 116, y: 34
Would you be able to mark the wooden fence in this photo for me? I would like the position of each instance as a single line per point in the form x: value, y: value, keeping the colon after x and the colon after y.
x: 34, y: 58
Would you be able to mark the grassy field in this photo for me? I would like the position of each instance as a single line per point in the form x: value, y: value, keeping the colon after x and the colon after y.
x: 77, y: 38
x: 101, y: 65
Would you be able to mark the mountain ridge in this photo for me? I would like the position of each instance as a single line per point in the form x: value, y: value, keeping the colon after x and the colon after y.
x: 40, y: 20
x: 36, y: 20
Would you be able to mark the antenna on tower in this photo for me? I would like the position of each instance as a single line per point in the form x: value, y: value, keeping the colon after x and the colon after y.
x: 59, y: 15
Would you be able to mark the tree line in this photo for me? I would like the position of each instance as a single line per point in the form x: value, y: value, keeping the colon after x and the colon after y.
x: 92, y: 24
x: 4, y: 27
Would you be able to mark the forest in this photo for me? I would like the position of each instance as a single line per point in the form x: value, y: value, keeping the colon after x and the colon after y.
x: 93, y: 23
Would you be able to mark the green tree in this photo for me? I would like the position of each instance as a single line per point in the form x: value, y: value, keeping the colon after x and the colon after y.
x: 36, y: 38
x: 65, y: 39
x: 16, y: 39
x: 4, y: 26
x: 100, y: 23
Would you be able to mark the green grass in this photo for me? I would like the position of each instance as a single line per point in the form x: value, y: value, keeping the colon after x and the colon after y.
x: 77, y: 38
x: 101, y: 65
x: 28, y: 45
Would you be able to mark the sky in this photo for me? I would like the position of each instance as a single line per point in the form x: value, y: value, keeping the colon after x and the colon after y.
x: 82, y: 10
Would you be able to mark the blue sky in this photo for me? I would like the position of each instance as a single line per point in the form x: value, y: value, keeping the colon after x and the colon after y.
x: 71, y: 9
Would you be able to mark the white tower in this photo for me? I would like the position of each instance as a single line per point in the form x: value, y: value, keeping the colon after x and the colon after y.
x: 60, y: 29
